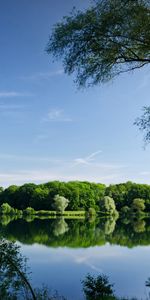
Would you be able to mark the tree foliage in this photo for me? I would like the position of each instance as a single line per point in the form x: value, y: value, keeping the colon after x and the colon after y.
x: 12, y: 271
x: 60, y: 203
x: 107, y: 205
x: 138, y: 205
x: 143, y: 123
x: 96, y: 288
x: 109, y: 38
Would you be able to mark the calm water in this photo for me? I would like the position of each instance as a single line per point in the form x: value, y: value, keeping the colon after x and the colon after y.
x: 61, y: 252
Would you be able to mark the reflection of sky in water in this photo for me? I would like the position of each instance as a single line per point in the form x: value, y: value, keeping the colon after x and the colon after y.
x: 64, y: 268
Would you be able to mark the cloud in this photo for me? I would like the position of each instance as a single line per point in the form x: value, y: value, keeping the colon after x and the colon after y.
x: 86, y: 160
x: 12, y: 94
x: 43, y: 75
x: 56, y: 115
x: 18, y: 169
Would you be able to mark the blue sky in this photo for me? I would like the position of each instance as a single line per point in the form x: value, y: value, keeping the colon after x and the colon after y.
x: 50, y: 129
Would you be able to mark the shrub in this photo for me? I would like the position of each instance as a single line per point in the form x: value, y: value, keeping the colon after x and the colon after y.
x: 29, y: 211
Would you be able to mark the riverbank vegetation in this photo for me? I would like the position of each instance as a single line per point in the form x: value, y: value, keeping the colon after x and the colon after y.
x: 55, y: 197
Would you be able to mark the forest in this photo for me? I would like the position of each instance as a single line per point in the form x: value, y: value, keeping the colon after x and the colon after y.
x: 80, y: 196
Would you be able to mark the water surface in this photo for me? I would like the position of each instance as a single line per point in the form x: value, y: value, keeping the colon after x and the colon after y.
x: 61, y: 252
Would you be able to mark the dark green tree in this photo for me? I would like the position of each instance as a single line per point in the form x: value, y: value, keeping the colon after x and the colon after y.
x: 13, y: 278
x: 109, y: 38
x: 96, y: 288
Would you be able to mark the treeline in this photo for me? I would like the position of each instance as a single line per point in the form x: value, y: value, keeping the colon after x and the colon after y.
x: 81, y: 195
x: 124, y: 195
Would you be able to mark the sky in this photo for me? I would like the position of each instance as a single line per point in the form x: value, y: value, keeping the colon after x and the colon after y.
x: 51, y: 130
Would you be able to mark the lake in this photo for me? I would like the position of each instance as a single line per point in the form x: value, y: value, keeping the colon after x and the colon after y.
x: 61, y: 252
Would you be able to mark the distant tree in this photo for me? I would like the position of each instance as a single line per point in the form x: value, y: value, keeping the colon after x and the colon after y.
x: 60, y: 203
x: 40, y: 198
x: 125, y: 210
x: 5, y: 208
x: 96, y: 288
x: 24, y: 195
x: 139, y: 226
x: 138, y: 205
x: 118, y: 192
x: 107, y: 205
x: 29, y: 211
x: 91, y: 211
x: 9, y: 195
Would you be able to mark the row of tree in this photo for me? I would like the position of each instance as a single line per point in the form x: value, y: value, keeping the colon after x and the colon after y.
x: 80, y: 196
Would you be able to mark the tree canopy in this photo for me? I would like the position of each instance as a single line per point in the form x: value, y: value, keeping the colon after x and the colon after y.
x: 109, y: 38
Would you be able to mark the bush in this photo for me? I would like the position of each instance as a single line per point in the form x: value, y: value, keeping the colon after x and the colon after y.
x: 5, y: 208
x: 29, y: 211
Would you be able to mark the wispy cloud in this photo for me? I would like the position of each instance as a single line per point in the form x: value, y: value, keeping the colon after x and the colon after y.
x: 41, y: 169
x: 13, y: 94
x: 56, y: 115
x: 43, y: 75
x: 88, y: 159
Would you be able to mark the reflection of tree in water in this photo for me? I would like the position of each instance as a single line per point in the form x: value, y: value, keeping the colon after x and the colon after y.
x: 13, y: 281
x: 79, y: 233
x: 6, y: 219
x: 60, y: 227
x: 110, y: 226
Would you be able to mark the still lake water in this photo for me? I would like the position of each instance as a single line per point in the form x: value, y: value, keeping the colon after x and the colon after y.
x: 61, y: 252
